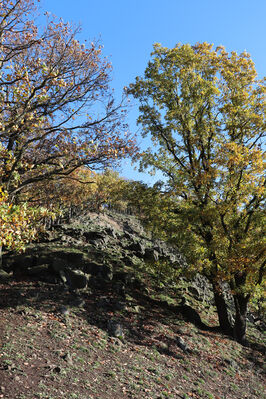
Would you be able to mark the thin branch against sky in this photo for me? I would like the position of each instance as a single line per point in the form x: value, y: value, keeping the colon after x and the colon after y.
x: 128, y: 29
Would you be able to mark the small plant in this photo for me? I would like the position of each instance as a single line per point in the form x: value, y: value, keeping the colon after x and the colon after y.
x: 234, y: 387
x: 111, y: 374
x: 84, y: 349
x: 168, y: 377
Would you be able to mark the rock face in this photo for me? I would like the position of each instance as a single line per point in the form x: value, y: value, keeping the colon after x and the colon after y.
x: 91, y: 251
x: 96, y: 251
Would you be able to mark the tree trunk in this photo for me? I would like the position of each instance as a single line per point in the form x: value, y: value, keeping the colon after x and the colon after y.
x: 241, y: 306
x: 221, y: 306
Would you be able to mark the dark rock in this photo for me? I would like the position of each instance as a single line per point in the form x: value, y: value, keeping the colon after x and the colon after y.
x: 68, y: 358
x: 104, y: 303
x: 120, y: 288
x: 119, y: 306
x: 111, y: 232
x: 91, y: 268
x: 151, y: 255
x: 116, y: 341
x: 90, y: 247
x: 94, y: 235
x: 22, y: 262
x: 115, y: 329
x: 190, y: 314
x: 232, y: 363
x: 57, y: 369
x: 98, y: 282
x: 100, y: 270
x: 64, y: 310
x: 128, y: 228
x: 76, y: 279
x: 62, y: 276
x: 129, y: 236
x: 69, y: 230
x: 182, y: 345
x: 128, y: 261
x: 38, y: 270
x: 194, y: 292
x: 78, y: 302
x: 122, y: 276
x: 136, y: 284
x: 137, y: 247
x: 4, y: 276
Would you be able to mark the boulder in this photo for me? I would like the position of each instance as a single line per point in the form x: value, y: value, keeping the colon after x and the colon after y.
x: 115, y: 329
x: 151, y: 255
x: 76, y: 279
x: 96, y: 269
x: 92, y: 247
x: 94, y: 235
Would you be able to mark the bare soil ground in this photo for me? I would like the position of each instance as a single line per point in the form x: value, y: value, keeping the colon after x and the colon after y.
x: 52, y: 348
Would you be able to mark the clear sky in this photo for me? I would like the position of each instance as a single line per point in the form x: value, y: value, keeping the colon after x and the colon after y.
x: 128, y: 29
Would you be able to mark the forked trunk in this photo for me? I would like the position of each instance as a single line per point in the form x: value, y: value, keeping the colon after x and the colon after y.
x: 221, y: 307
x: 241, y: 306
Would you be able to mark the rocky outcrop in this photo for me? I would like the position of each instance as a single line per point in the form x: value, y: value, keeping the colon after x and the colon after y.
x: 98, y: 251
x: 91, y: 251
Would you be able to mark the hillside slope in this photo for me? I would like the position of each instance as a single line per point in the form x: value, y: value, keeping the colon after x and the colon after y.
x: 81, y: 317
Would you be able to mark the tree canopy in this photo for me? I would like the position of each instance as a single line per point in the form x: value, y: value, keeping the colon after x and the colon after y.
x: 57, y: 109
x: 57, y: 114
x: 204, y: 110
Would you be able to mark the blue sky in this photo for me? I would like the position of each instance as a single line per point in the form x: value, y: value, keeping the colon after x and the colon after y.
x: 129, y: 28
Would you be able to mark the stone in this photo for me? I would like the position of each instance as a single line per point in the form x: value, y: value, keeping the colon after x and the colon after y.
x: 63, y: 276
x: 76, y: 279
x: 182, y: 345
x: 64, y: 310
x: 194, y: 292
x: 151, y: 255
x: 115, y: 329
x: 104, y: 303
x: 127, y: 260
x: 138, y: 248
x: 120, y: 288
x: 122, y: 276
x: 78, y: 302
x: 97, y: 269
x: 32, y: 271
x: 94, y: 235
x: 68, y: 358
x: 111, y: 232
x: 90, y: 251
x: 120, y: 306
x: 57, y: 369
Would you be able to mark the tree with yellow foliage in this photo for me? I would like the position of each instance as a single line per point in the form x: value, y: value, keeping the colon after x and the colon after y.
x: 204, y: 110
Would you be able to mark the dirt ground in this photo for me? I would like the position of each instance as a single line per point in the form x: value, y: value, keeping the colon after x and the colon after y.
x: 55, y: 345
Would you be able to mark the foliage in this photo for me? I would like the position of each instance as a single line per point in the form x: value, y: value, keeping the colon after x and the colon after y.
x: 80, y: 190
x: 57, y: 109
x: 109, y: 191
x: 18, y: 223
x: 205, y: 112
x: 57, y: 116
x: 150, y: 205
